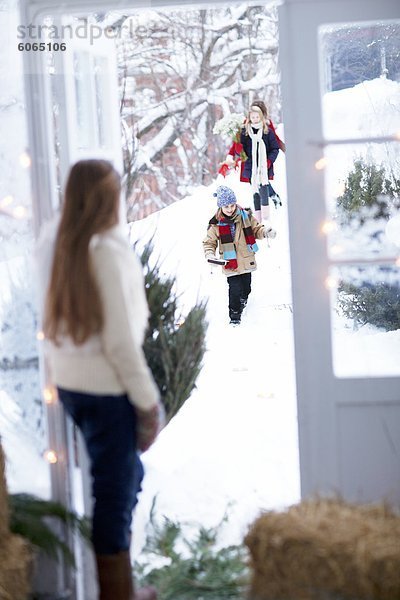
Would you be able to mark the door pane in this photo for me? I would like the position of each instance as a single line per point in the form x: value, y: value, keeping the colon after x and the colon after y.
x: 360, y: 92
x: 84, y: 113
x: 352, y: 53
x: 362, y: 187
x: 365, y: 320
x: 101, y: 80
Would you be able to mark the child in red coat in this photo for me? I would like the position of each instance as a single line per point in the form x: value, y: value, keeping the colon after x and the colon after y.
x: 259, y: 143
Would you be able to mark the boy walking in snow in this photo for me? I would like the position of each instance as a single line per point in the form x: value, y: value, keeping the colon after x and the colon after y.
x: 234, y: 230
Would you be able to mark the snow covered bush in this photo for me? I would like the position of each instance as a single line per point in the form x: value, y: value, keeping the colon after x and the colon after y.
x: 369, y: 194
x: 374, y: 303
x: 369, y: 197
x: 174, y: 346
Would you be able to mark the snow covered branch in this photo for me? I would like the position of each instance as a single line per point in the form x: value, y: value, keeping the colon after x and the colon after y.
x: 180, y: 72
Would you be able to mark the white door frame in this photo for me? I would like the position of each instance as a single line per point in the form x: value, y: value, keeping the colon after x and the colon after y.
x: 324, y: 401
x: 64, y: 475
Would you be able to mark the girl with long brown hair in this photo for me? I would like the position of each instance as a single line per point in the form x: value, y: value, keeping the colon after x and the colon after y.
x: 95, y: 317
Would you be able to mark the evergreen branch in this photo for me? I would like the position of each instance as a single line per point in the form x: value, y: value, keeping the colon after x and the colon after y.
x: 31, y: 518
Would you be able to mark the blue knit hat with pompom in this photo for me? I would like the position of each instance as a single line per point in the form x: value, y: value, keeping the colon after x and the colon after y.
x: 224, y: 196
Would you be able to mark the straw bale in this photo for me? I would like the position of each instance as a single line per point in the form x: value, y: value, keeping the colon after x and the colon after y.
x: 326, y: 550
x: 15, y: 568
x: 15, y: 553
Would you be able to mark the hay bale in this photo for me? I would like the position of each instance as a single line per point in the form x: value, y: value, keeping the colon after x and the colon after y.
x: 15, y: 568
x: 326, y: 550
x: 15, y: 553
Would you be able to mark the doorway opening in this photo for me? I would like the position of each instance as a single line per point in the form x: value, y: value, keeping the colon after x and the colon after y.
x: 231, y: 451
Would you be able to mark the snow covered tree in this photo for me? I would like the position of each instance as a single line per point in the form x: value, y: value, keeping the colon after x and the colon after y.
x: 373, y: 302
x: 180, y: 71
x: 174, y: 346
x: 368, y: 193
x: 373, y: 297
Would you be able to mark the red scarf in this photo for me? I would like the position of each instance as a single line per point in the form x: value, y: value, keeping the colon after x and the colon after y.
x: 226, y: 237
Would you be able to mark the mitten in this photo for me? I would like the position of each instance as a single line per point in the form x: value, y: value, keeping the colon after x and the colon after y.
x: 224, y: 169
x: 148, y: 425
x: 269, y: 232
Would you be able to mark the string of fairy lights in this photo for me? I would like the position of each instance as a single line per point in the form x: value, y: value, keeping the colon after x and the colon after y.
x: 10, y: 208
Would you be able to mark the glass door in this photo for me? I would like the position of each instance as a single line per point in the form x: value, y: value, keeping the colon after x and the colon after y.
x: 341, y: 112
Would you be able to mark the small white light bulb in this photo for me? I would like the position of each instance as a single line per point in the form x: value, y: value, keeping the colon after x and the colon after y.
x: 25, y: 160
x: 51, y: 456
x: 321, y: 163
x: 48, y: 394
x: 331, y: 282
x: 328, y: 227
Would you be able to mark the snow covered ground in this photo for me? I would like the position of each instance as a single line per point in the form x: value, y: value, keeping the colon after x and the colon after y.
x: 233, y: 446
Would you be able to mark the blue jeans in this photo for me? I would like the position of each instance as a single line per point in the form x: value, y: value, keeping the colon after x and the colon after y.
x: 108, y: 426
x: 261, y: 197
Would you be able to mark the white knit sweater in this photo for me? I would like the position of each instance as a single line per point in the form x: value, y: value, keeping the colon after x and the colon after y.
x: 111, y: 362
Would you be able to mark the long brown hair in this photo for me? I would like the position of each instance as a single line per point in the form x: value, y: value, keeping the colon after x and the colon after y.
x: 73, y: 305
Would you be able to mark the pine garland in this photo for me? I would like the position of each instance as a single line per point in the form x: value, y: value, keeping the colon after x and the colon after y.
x: 174, y: 346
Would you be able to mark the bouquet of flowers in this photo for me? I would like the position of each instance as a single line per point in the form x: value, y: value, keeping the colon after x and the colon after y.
x: 230, y: 126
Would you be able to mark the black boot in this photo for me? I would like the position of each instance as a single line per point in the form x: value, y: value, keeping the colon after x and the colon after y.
x: 234, y: 316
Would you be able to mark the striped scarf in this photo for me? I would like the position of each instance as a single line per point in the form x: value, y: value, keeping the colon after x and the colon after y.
x: 226, y: 235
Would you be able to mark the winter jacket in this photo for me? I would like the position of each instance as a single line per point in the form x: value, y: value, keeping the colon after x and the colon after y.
x: 272, y: 146
x: 245, y: 258
x: 110, y: 362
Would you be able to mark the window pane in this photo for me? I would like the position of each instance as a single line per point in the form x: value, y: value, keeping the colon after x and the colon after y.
x: 102, y: 95
x: 362, y: 197
x: 365, y: 317
x: 353, y: 53
x: 83, y: 99
x: 360, y: 91
x: 366, y: 320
